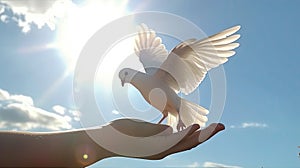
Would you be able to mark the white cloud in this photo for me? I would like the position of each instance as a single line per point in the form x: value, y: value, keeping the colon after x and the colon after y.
x: 17, y: 112
x: 40, y: 13
x: 194, y: 165
x: 115, y: 112
x: 217, y: 165
x: 59, y: 109
x: 76, y: 114
x: 67, y: 118
x: 69, y: 114
x: 2, y: 9
x: 26, y: 117
x: 255, y: 125
x: 6, y: 97
x: 232, y: 126
x: 21, y: 99
x: 3, y: 95
x: 250, y: 125
x: 4, y: 18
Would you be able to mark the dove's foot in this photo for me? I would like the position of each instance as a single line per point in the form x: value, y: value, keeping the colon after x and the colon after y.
x: 164, y: 116
x: 180, y: 125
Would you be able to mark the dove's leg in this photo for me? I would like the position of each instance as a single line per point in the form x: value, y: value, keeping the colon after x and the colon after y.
x: 165, y: 114
x: 180, y: 125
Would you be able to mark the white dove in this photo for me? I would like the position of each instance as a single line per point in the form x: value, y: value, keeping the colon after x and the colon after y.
x: 181, y: 70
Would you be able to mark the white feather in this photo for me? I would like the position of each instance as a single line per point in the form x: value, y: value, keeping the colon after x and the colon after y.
x: 190, y: 60
x: 182, y: 69
x: 149, y: 48
x: 192, y: 113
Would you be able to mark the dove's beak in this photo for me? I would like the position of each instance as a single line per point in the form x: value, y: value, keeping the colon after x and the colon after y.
x: 122, y: 82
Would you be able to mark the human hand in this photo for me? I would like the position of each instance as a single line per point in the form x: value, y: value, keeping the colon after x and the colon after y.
x: 80, y: 148
x: 140, y: 139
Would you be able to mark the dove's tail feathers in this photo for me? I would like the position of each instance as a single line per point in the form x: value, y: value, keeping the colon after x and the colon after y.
x: 191, y: 113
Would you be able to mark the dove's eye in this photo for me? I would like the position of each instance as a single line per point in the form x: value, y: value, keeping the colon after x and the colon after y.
x: 126, y: 73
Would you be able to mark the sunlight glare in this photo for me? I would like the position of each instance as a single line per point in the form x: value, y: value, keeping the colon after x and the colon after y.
x: 110, y: 65
x: 81, y: 22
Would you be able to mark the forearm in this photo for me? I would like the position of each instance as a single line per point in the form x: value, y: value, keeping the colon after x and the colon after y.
x: 64, y: 149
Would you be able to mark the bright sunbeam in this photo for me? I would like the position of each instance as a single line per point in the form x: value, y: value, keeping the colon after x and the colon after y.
x: 80, y: 23
x: 120, y: 55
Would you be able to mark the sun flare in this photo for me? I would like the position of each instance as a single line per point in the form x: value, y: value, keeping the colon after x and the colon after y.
x: 80, y: 23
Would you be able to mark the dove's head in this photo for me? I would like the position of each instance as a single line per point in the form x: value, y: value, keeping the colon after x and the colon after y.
x: 126, y: 75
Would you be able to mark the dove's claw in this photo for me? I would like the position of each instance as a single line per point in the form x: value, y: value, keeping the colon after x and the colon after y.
x: 180, y: 125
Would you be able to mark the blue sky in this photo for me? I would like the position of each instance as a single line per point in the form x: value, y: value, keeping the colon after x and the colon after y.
x: 262, y: 78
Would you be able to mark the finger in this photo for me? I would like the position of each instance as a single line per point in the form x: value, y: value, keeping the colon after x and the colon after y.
x: 188, y: 141
x: 166, y: 132
x: 139, y: 128
x: 170, y: 142
x: 193, y: 128
x: 187, y: 132
x: 193, y: 140
x: 210, y: 131
x: 146, y: 147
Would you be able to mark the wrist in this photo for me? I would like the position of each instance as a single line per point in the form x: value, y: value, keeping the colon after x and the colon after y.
x: 85, y: 150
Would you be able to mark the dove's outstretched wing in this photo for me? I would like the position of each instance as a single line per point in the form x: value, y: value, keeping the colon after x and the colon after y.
x: 190, y: 60
x: 149, y: 48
